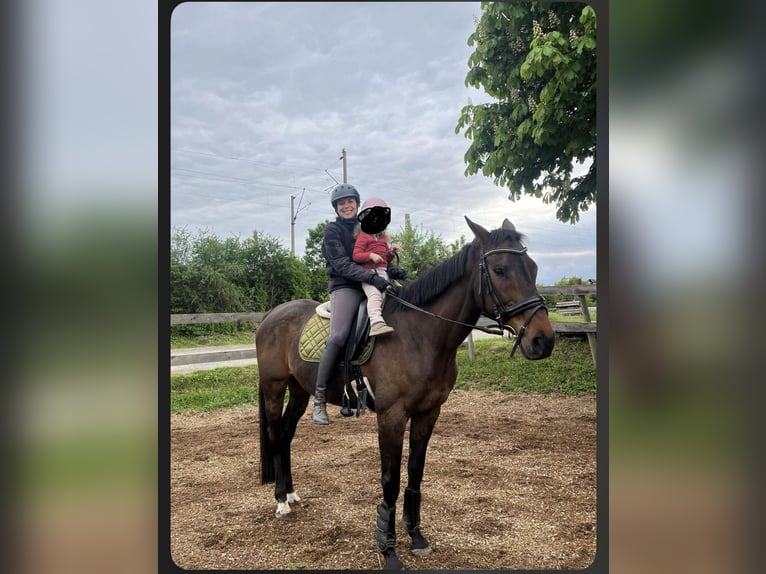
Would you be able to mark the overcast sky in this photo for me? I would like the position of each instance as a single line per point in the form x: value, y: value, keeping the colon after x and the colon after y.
x: 265, y: 96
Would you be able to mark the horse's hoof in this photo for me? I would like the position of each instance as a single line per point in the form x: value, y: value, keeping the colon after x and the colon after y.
x: 283, y: 510
x: 421, y: 552
x: 420, y: 545
x: 392, y: 561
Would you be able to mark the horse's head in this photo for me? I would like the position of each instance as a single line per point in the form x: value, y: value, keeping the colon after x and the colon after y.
x: 506, y: 289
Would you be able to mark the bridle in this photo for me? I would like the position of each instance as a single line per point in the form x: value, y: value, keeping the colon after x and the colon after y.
x: 501, y: 312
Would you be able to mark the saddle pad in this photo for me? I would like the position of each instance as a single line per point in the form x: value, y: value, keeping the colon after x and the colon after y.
x: 314, y: 340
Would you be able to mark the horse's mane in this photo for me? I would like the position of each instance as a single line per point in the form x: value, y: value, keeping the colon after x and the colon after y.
x: 441, y: 276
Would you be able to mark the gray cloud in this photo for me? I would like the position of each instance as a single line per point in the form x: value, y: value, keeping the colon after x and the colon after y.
x: 265, y: 96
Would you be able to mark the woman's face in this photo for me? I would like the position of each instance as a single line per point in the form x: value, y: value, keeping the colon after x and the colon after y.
x: 346, y: 207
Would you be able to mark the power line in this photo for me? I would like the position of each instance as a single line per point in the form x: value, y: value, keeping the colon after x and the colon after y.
x: 242, y: 180
x: 248, y: 200
x: 253, y: 161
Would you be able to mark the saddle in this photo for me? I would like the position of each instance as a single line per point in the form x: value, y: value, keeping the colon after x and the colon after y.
x: 358, y: 347
x: 357, y: 351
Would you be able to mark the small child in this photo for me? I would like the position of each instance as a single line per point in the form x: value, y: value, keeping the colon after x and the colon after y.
x: 373, y: 251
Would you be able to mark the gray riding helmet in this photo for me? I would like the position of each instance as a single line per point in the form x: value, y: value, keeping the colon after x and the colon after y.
x: 343, y: 190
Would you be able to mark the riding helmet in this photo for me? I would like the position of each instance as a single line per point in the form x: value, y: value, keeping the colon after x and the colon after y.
x: 374, y: 215
x: 343, y: 190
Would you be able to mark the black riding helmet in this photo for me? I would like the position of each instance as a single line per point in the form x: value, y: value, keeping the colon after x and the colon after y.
x: 343, y: 190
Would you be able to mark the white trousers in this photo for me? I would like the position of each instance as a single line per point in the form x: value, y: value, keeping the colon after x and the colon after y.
x: 375, y: 297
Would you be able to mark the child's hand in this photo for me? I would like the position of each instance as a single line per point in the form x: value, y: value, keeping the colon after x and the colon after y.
x: 396, y: 248
x: 375, y: 258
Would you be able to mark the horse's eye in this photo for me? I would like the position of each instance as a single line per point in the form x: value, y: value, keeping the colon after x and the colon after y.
x: 499, y: 271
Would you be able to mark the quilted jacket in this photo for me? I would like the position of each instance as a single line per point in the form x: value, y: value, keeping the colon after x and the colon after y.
x: 338, y: 249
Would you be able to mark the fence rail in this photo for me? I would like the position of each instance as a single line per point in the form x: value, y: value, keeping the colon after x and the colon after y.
x: 578, y: 292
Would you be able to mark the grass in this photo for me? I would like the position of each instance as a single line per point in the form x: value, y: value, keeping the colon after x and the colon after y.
x: 214, y: 389
x: 211, y: 340
x: 569, y: 371
x: 553, y: 316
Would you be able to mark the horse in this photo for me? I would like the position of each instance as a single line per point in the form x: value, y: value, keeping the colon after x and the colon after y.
x: 411, y: 371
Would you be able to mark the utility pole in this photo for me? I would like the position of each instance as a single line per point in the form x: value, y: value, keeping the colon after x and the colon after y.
x: 293, y: 217
x: 292, y: 225
x: 345, y: 170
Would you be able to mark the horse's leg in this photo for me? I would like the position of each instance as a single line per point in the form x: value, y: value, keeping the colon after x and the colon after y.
x: 284, y: 492
x: 296, y: 406
x: 391, y: 426
x: 421, y: 427
x: 273, y: 438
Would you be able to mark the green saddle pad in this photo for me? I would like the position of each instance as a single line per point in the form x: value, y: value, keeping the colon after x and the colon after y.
x: 314, y: 340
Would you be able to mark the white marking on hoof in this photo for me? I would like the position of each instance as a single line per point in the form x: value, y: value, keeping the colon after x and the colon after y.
x: 421, y: 552
x: 293, y: 497
x: 283, y: 509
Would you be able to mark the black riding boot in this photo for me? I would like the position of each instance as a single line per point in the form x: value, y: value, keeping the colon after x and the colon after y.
x: 326, y: 366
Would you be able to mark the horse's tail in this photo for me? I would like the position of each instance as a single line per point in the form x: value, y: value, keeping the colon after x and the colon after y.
x: 267, y: 456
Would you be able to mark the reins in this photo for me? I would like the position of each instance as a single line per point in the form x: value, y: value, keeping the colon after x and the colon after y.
x: 500, y: 315
x: 390, y: 293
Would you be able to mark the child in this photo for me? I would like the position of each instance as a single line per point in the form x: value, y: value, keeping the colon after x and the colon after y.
x: 373, y: 251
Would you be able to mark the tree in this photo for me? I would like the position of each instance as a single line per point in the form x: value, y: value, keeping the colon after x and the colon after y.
x: 204, y: 274
x: 210, y: 275
x: 421, y: 249
x: 551, y: 300
x: 538, y: 60
x: 315, y: 263
x: 273, y: 276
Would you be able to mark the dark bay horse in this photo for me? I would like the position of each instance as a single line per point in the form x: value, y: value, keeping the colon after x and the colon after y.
x: 411, y: 371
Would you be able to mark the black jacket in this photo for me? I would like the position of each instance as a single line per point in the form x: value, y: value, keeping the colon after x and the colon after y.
x: 337, y: 249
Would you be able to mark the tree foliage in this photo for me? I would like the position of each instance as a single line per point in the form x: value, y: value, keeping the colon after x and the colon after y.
x: 538, y: 60
x: 213, y: 275
x: 551, y: 300
x: 210, y: 275
x: 315, y: 263
x: 421, y: 249
x: 203, y: 279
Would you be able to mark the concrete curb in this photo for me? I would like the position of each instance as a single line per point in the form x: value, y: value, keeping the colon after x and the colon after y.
x: 211, y: 354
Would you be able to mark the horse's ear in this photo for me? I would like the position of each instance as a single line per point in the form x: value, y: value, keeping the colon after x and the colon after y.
x: 481, y: 234
x: 508, y: 225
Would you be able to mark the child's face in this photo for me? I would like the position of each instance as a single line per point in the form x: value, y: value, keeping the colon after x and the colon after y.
x: 375, y: 219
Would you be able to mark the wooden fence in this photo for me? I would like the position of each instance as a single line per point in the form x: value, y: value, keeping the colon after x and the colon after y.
x: 577, y: 292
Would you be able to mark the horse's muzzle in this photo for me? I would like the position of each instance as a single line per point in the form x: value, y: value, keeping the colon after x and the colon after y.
x: 537, y: 345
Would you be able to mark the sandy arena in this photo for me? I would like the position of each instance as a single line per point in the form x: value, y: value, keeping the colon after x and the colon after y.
x: 510, y: 483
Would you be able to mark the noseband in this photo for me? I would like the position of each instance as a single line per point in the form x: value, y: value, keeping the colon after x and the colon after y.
x: 501, y: 312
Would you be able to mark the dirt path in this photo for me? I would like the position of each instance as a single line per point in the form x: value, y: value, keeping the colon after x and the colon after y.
x: 510, y: 483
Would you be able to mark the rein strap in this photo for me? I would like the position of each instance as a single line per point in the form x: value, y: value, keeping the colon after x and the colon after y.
x: 491, y: 331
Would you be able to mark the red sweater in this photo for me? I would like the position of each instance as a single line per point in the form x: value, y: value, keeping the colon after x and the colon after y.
x: 367, y: 244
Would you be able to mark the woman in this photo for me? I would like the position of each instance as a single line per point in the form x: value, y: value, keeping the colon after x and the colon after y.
x: 344, y: 287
